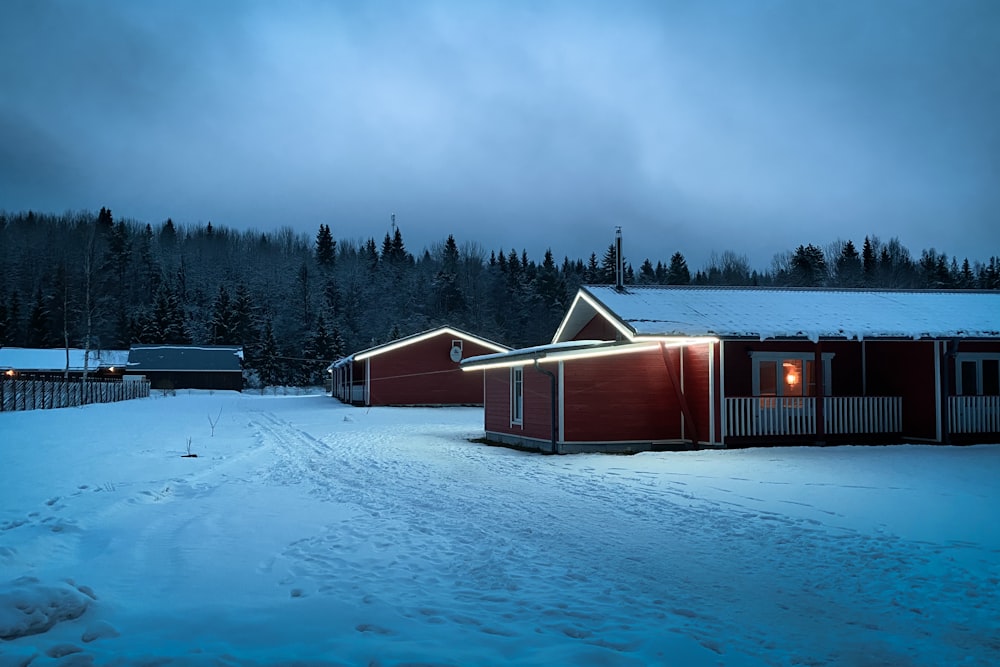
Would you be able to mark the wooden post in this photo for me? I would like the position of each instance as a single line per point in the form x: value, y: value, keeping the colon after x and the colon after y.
x: 681, y: 398
x: 820, y: 394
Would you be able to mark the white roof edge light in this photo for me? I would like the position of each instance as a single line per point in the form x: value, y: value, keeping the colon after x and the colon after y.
x: 427, y: 335
x: 543, y: 356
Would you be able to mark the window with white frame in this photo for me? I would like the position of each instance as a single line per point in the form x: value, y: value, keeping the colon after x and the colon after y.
x: 789, y: 373
x: 517, y: 395
x: 977, y: 374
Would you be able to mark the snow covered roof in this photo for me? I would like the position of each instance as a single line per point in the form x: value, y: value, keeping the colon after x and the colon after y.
x: 216, y: 358
x: 416, y: 338
x: 36, y: 359
x: 735, y: 312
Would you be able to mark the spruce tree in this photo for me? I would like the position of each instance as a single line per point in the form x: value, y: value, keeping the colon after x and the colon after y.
x: 319, y: 353
x: 678, y: 272
x: 13, y: 327
x: 449, y: 300
x: 808, y: 267
x: 4, y: 322
x: 244, y: 313
x: 592, y: 274
x: 647, y: 274
x: 168, y: 321
x: 326, y: 247
x: 869, y: 262
x: 38, y: 323
x: 609, y: 266
x: 267, y: 363
x: 849, y: 269
x: 223, y: 322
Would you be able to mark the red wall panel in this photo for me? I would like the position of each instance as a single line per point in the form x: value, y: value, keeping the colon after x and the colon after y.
x: 423, y: 373
x: 906, y: 369
x: 597, y: 329
x: 537, y: 403
x: 696, y: 360
x: 624, y: 397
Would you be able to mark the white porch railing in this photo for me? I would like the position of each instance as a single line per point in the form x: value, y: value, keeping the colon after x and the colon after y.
x: 974, y: 414
x: 845, y: 415
x: 842, y: 415
x: 750, y: 416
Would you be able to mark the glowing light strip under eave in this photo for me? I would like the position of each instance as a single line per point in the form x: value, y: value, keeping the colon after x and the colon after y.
x: 646, y: 345
x: 427, y: 336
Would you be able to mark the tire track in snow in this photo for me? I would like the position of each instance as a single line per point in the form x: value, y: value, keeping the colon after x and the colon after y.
x: 482, y: 535
x: 477, y: 536
x: 751, y: 563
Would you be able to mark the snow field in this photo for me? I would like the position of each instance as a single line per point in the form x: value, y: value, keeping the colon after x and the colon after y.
x: 311, y: 531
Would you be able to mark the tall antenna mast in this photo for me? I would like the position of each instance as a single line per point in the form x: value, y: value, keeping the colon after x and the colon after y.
x: 619, y: 261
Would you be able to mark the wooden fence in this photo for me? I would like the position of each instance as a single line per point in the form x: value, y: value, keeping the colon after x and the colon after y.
x: 46, y: 394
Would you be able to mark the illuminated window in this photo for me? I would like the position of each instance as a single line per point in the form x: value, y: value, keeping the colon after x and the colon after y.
x: 789, y: 373
x: 977, y: 374
x: 517, y: 395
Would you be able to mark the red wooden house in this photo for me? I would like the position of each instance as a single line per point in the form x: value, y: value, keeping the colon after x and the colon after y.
x: 422, y: 369
x: 664, y: 367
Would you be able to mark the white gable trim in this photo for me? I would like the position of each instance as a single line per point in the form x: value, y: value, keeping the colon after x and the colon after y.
x: 427, y: 335
x: 598, y: 309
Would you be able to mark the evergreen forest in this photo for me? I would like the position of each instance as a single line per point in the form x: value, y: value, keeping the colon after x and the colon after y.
x: 296, y: 301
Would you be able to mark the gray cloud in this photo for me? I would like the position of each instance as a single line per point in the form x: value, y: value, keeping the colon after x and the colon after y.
x: 751, y: 127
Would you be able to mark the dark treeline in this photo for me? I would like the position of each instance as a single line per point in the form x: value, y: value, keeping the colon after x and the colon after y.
x: 295, y: 301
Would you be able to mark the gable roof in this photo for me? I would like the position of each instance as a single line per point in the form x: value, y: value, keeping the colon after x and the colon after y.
x: 638, y: 312
x: 54, y: 360
x: 203, y: 358
x: 416, y: 338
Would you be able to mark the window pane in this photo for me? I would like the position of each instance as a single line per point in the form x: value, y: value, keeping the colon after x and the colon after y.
x: 969, y: 385
x: 810, y: 381
x: 516, y: 394
x: 791, y: 377
x: 991, y: 377
x: 768, y: 378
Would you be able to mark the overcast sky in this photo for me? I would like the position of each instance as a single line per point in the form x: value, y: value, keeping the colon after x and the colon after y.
x: 751, y: 125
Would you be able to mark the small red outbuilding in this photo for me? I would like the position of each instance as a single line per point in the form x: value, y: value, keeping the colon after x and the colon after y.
x: 639, y: 368
x: 422, y: 369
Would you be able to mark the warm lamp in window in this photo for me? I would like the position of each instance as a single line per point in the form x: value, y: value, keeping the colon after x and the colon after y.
x: 791, y: 377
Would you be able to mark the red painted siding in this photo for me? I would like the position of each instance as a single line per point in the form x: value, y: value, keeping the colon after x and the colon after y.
x: 906, y: 368
x: 537, y: 404
x: 423, y: 373
x: 625, y: 397
x: 696, y: 389
x: 497, y: 400
x: 597, y: 329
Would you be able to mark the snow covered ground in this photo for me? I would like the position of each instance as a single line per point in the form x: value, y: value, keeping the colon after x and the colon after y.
x: 310, y: 532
